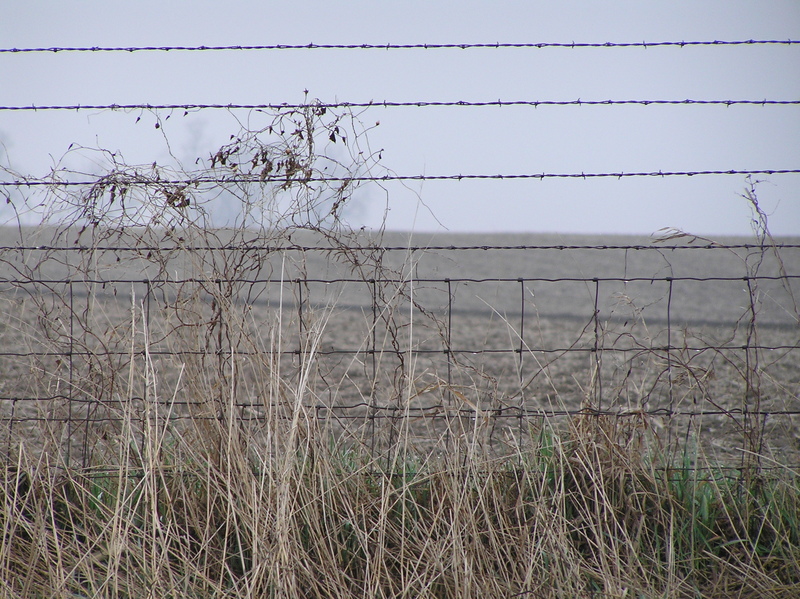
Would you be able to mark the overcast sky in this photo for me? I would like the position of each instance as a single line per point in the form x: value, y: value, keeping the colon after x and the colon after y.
x: 445, y: 140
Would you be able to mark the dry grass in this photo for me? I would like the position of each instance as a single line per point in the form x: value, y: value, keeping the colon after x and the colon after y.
x: 214, y: 504
x: 584, y: 513
x: 209, y: 471
x: 187, y: 495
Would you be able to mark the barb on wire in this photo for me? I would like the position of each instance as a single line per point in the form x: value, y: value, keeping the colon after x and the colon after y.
x: 389, y: 46
x: 396, y: 104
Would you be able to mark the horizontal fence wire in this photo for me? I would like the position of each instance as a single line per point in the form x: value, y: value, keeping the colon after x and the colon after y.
x: 675, y: 473
x: 390, y: 46
x: 400, y: 352
x: 397, y: 281
x: 120, y: 179
x: 383, y: 412
x: 396, y: 104
x: 246, y: 247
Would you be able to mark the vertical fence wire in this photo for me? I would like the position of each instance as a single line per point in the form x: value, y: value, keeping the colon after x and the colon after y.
x: 71, y: 375
x: 448, y: 395
x: 521, y: 358
x: 373, y: 343
x: 301, y: 332
x: 751, y: 405
x: 670, y: 396
x: 597, y: 350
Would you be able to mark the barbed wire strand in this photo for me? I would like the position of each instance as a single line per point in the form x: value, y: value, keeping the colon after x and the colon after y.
x: 390, y: 46
x: 399, y: 248
x: 395, y: 104
x: 121, y: 179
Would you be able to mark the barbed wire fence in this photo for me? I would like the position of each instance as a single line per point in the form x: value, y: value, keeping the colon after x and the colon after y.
x: 125, y: 308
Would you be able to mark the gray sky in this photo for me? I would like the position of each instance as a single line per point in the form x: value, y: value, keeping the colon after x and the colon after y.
x: 452, y: 140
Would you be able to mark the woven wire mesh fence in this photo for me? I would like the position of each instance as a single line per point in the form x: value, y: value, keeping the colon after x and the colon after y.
x: 449, y: 346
